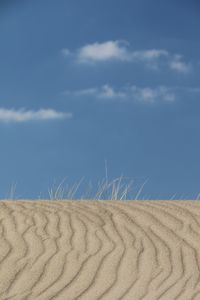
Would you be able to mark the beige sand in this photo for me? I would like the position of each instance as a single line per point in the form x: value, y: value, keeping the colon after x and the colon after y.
x: 108, y: 250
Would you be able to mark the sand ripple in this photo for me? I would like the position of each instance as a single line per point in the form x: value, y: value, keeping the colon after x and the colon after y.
x: 100, y: 250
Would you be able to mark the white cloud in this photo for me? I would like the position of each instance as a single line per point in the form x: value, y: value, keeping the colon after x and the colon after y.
x: 149, y: 54
x: 103, y: 51
x: 22, y: 115
x: 177, y: 64
x: 120, y: 50
x: 108, y: 92
x: 104, y: 92
x: 127, y: 93
x: 117, y: 50
x: 152, y: 95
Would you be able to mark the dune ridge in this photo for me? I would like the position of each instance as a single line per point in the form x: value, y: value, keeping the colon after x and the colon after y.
x: 108, y: 250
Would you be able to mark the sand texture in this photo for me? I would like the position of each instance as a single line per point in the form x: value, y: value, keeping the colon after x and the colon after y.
x: 92, y: 250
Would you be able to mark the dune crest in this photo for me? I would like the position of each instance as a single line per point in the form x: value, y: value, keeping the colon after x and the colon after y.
x: 108, y: 250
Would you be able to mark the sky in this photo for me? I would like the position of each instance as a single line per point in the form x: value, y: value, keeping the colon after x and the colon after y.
x: 100, y: 87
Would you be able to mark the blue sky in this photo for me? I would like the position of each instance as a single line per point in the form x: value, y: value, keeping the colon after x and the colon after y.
x: 88, y: 82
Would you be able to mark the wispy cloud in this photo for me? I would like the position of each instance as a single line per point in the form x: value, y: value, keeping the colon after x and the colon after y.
x: 120, y: 51
x: 149, y: 54
x: 22, y: 115
x: 127, y: 93
x: 66, y: 52
x: 152, y: 95
x: 83, y: 92
x: 106, y: 91
x: 177, y: 64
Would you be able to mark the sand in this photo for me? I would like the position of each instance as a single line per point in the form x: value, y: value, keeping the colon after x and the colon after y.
x: 92, y: 250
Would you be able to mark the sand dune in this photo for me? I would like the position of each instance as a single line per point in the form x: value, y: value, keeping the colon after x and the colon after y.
x: 92, y: 250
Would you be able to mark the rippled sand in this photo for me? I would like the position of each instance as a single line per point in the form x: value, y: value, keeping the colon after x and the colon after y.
x: 92, y: 250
